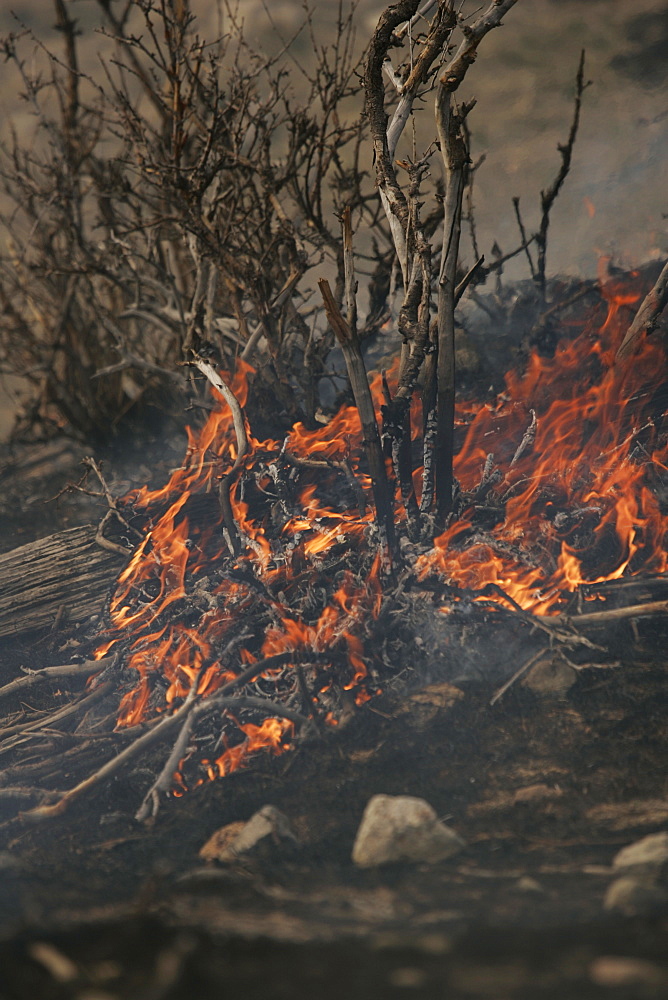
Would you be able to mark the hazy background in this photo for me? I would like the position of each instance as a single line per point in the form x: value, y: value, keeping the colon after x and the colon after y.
x: 524, y: 84
x: 614, y: 201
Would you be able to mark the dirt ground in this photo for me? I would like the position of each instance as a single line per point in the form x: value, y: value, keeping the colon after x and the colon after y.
x: 544, y: 788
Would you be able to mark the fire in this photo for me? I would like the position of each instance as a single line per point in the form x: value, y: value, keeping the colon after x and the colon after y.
x: 589, y: 421
x: 575, y: 507
x: 271, y: 735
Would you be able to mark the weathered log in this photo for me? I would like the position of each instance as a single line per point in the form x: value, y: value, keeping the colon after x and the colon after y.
x: 63, y: 577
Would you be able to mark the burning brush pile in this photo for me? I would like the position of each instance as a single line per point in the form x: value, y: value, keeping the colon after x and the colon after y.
x: 264, y: 600
x: 275, y: 586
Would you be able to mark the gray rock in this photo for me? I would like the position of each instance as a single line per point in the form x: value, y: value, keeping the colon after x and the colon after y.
x: 634, y: 897
x: 402, y: 828
x: 648, y: 856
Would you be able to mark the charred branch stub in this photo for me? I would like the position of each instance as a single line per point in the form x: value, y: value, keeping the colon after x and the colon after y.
x: 227, y: 481
x: 350, y: 346
x: 455, y: 160
x: 647, y: 317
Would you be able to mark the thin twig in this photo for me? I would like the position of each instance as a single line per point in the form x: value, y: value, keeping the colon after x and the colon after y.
x: 36, y: 677
x: 516, y: 676
x: 548, y: 197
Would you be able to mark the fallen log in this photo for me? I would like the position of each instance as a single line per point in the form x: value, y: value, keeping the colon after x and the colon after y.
x: 63, y: 577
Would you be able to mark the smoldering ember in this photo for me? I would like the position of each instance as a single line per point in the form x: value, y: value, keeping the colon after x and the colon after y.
x: 370, y: 670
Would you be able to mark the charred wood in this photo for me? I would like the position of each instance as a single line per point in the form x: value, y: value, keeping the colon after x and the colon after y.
x: 65, y: 576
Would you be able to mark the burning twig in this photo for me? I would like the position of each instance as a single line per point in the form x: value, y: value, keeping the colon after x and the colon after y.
x: 647, y: 317
x: 528, y: 439
x: 341, y: 465
x: 167, y: 725
x: 550, y: 626
x: 231, y: 531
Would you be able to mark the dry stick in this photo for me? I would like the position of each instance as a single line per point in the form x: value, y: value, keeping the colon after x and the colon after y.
x: 35, y: 677
x: 473, y: 35
x: 468, y: 278
x: 547, y: 198
x: 617, y: 614
x: 516, y: 676
x: 523, y: 234
x: 359, y: 382
x: 49, y: 720
x: 230, y: 531
x: 425, y: 9
x: 310, y: 703
x: 627, y: 583
x: 164, y: 781
x: 386, y: 137
x: 162, y: 730
x: 647, y: 317
x: 102, y: 541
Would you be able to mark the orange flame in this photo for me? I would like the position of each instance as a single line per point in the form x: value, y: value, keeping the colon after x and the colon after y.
x: 577, y: 508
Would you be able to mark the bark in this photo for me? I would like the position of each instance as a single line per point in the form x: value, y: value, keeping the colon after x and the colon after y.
x: 61, y: 578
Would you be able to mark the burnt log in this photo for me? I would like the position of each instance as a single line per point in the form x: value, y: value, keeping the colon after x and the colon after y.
x: 64, y: 577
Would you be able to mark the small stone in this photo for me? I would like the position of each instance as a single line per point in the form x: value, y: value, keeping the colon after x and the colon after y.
x: 634, y: 897
x: 529, y: 884
x: 550, y: 677
x: 648, y: 856
x: 402, y: 828
x: 61, y: 968
x: 536, y: 793
x: 408, y: 977
x: 267, y: 827
x: 620, y: 970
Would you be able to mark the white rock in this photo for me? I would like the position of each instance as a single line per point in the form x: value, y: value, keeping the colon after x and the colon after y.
x: 634, y: 897
x: 402, y: 828
x: 648, y: 855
